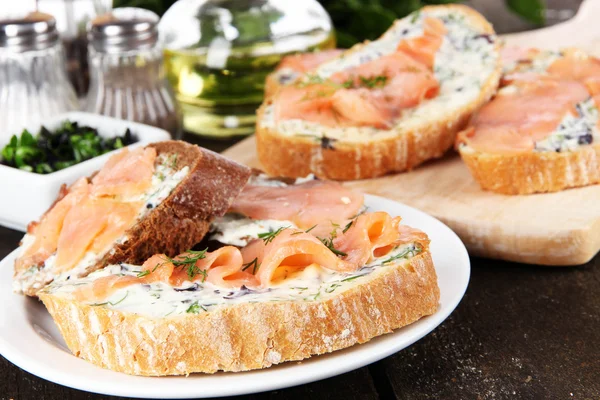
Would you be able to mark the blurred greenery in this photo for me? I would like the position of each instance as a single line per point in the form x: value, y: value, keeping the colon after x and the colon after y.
x: 358, y: 20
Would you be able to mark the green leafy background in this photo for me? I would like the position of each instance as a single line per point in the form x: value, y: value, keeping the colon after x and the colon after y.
x: 357, y: 20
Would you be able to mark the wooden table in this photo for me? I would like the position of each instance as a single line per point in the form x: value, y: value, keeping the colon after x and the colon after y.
x: 521, y: 332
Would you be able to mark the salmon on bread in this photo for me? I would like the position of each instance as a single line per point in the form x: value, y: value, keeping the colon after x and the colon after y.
x: 156, y: 199
x: 383, y: 106
x: 275, y: 290
x: 541, y: 131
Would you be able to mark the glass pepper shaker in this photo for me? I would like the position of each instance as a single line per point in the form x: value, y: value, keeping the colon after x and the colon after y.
x: 71, y: 19
x: 127, y: 78
x: 33, y: 81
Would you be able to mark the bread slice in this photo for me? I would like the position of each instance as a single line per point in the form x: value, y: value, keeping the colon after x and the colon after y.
x: 296, y: 148
x: 178, y: 222
x: 568, y: 157
x: 533, y: 172
x: 247, y: 335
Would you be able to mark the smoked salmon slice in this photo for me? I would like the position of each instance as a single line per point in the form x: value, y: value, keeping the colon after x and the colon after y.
x: 306, y: 61
x: 373, y: 93
x: 423, y: 48
x: 92, y: 215
x: 582, y: 69
x: 514, y: 120
x: 270, y: 260
x: 127, y: 173
x: 305, y: 204
x: 47, y: 231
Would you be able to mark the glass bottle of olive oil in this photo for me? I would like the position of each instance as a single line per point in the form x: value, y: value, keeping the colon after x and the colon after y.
x: 219, y: 52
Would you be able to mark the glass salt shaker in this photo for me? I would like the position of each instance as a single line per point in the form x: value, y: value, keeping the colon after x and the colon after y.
x: 33, y: 81
x: 127, y: 78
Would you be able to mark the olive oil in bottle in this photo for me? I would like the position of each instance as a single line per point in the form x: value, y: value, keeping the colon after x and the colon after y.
x: 219, y: 53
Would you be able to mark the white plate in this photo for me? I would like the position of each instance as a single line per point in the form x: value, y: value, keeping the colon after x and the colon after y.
x: 29, y: 338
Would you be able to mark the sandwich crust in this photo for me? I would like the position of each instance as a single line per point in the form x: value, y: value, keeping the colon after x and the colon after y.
x: 533, y: 172
x: 247, y: 336
x: 297, y: 155
x: 181, y: 220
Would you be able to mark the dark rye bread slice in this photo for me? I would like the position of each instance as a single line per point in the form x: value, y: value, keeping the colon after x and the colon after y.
x: 180, y: 221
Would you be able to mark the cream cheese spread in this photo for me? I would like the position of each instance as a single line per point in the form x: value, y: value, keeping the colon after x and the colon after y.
x: 160, y: 299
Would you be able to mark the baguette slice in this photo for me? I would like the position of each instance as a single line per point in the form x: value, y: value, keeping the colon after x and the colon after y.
x: 178, y: 222
x: 569, y: 154
x: 468, y: 77
x: 247, y: 335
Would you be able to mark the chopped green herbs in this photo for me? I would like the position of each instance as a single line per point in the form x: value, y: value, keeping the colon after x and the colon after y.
x: 351, y: 278
x: 373, y: 81
x: 415, y: 16
x: 348, y: 225
x: 268, y: 237
x: 172, y: 160
x: 68, y: 145
x: 311, y: 228
x: 195, y: 308
x: 143, y: 273
x: 111, y: 303
x: 328, y: 242
x: 306, y: 231
x: 403, y: 254
x: 332, y: 288
x: 188, y: 261
x: 252, y: 264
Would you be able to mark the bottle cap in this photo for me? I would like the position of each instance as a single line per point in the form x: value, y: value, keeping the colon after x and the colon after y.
x: 35, y: 31
x: 123, y: 29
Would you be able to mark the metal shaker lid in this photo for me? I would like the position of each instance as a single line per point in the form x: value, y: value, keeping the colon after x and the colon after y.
x: 34, y: 31
x: 123, y: 29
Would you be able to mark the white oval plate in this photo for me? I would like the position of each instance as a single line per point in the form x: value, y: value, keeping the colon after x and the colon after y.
x: 30, y: 340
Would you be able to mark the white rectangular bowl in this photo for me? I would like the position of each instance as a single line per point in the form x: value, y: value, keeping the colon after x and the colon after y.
x: 25, y: 196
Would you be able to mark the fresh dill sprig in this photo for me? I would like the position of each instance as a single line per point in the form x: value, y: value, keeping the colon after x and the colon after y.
x: 311, y: 228
x: 328, y: 242
x: 188, y: 262
x: 254, y: 264
x: 400, y: 255
x: 351, y: 278
x: 332, y: 288
x: 268, y: 237
x: 111, y: 303
x: 143, y: 273
x: 306, y: 231
x: 348, y: 225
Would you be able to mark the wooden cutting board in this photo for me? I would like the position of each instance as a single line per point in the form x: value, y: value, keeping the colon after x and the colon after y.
x: 549, y: 229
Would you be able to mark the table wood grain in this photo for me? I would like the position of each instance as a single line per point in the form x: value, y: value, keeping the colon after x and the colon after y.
x: 521, y: 332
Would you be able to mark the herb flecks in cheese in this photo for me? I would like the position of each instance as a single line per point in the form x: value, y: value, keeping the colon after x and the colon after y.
x: 159, y: 299
x: 574, y: 131
x: 236, y: 230
x: 464, y: 62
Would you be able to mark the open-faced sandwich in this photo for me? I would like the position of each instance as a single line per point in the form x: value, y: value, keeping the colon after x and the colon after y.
x: 157, y: 199
x: 540, y: 133
x: 300, y: 269
x: 386, y: 105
